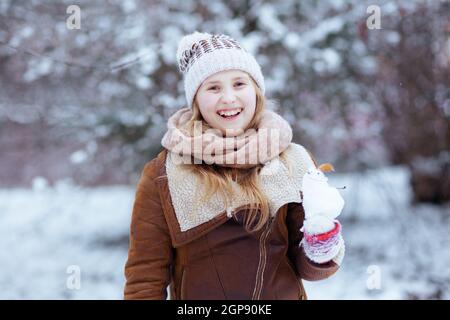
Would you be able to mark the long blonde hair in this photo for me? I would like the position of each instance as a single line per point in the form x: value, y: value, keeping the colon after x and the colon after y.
x: 219, y: 179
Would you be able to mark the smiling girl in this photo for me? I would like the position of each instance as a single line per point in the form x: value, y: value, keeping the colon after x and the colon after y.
x: 218, y: 212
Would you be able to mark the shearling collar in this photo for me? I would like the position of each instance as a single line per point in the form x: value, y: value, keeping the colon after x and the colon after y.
x: 279, y: 186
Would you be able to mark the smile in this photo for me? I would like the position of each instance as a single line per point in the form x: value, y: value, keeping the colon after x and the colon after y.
x: 230, y: 114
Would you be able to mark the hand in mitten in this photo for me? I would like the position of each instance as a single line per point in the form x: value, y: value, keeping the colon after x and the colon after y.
x: 322, y: 205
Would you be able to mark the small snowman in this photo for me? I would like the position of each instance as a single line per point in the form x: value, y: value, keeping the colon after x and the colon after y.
x: 322, y: 203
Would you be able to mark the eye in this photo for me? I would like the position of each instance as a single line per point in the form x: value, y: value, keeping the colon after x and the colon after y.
x: 213, y: 88
x: 240, y: 84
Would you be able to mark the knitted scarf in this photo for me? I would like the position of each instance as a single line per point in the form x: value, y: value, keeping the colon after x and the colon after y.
x: 245, y: 150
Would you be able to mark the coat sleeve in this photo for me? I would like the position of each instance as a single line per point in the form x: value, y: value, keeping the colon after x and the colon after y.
x: 150, y: 253
x: 305, y: 268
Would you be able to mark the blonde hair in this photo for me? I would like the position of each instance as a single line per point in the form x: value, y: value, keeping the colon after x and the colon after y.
x: 216, y: 178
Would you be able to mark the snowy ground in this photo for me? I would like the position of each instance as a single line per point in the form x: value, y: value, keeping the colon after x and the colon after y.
x: 50, y: 236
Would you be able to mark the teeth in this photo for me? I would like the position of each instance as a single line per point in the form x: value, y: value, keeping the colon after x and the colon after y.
x: 230, y: 113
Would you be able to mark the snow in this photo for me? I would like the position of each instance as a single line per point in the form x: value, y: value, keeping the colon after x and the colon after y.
x: 321, y: 31
x: 129, y: 6
x: 409, y: 254
x: 38, y: 68
x: 383, y: 232
x: 268, y: 20
x: 47, y: 230
x: 78, y: 157
x: 50, y: 232
x: 331, y: 58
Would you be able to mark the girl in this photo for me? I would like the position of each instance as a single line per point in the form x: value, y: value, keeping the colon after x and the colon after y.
x: 218, y: 212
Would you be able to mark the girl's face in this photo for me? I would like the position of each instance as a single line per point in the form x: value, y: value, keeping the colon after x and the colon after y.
x: 227, y: 101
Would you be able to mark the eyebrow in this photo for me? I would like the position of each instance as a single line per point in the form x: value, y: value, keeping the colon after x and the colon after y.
x: 236, y: 78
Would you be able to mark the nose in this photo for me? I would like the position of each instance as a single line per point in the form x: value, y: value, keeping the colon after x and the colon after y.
x: 228, y: 96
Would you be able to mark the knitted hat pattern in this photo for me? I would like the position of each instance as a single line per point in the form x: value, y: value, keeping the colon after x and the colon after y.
x: 201, y: 55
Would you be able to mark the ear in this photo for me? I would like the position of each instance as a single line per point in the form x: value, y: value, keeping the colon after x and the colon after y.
x: 326, y: 167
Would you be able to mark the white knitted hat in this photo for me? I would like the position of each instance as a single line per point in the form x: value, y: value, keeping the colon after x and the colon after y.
x: 200, y: 55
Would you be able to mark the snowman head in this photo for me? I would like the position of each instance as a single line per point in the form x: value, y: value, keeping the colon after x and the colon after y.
x: 316, y: 174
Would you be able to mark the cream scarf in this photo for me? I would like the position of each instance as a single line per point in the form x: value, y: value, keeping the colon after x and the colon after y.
x: 246, y: 150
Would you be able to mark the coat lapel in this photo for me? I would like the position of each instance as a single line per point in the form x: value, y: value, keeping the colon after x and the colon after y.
x: 178, y: 236
x: 189, y: 219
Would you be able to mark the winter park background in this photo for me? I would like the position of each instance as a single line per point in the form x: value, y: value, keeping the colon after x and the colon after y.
x: 82, y: 110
